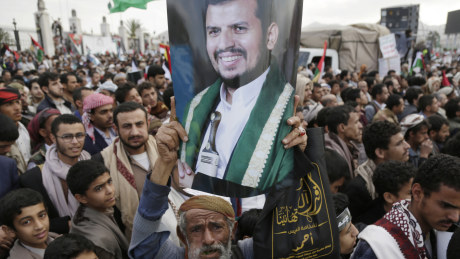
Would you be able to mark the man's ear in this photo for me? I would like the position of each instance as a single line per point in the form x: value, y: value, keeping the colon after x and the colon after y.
x: 81, y: 198
x: 389, y: 198
x: 432, y: 134
x: 42, y: 132
x: 272, y: 36
x: 45, y: 89
x: 340, y: 128
x: 380, y: 153
x: 78, y: 103
x: 417, y: 192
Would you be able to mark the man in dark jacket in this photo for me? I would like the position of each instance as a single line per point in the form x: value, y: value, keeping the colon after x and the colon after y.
x: 54, y: 92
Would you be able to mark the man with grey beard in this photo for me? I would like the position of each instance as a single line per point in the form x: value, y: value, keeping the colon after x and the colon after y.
x: 206, y: 223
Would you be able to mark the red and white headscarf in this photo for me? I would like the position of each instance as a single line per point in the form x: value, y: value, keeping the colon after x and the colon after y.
x: 91, y: 102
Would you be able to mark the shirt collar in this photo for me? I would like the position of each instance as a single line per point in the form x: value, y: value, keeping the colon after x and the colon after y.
x: 246, y: 93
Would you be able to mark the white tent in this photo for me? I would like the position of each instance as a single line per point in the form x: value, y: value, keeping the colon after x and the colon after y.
x: 356, y: 44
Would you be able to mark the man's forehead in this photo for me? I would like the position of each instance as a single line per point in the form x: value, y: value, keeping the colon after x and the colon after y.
x: 65, y: 128
x: 216, y: 7
x: 197, y: 215
x: 131, y: 116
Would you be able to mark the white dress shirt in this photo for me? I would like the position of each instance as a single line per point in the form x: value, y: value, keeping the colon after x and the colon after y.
x: 23, y: 142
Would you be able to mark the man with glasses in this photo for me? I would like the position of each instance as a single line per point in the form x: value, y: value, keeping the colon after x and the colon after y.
x: 68, y: 135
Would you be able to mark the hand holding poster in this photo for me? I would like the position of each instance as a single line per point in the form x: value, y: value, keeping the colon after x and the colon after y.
x: 236, y: 58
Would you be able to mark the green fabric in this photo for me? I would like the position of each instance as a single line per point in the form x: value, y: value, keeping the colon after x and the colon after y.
x: 279, y: 161
x: 122, y: 5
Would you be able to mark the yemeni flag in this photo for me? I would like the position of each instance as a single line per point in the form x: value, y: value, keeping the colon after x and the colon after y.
x: 417, y: 66
x: 38, y: 49
x: 122, y: 5
x: 167, y: 53
x: 320, y: 66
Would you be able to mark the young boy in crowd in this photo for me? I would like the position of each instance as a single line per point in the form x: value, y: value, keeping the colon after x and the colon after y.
x: 347, y: 231
x: 337, y: 170
x: 71, y: 246
x: 24, y: 212
x: 91, y: 184
x: 392, y: 181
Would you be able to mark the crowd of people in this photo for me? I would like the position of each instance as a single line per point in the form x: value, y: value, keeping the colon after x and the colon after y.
x: 89, y: 155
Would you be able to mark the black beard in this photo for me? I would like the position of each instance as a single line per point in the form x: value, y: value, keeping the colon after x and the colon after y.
x: 247, y: 77
x: 131, y: 146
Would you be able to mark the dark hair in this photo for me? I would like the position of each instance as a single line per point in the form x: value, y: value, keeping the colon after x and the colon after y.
x: 436, y: 122
x: 351, y: 95
x: 68, y: 246
x: 13, y: 202
x: 82, y: 174
x: 370, y: 82
x: 373, y: 73
x: 127, y: 107
x: 412, y: 94
x: 390, y: 176
x: 343, y: 74
x: 317, y: 85
x: 144, y: 86
x: 328, y: 75
x: 63, y: 119
x: 155, y: 70
x: 417, y: 128
x: 336, y: 166
x: 416, y: 81
x: 393, y: 100
x: 322, y: 116
x: 378, y: 135
x: 64, y: 77
x: 451, y: 146
x: 338, y: 115
x: 390, y: 71
x: 425, y: 101
x: 340, y: 202
x: 452, y: 107
x: 376, y: 90
x: 76, y: 95
x: 247, y: 223
x: 45, y: 78
x: 35, y: 80
x: 8, y: 131
x: 437, y: 170
x: 122, y: 91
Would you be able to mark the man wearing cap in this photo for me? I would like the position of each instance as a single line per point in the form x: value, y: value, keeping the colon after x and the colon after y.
x: 10, y: 105
x: 415, y: 130
x: 347, y: 231
x: 51, y: 86
x: 98, y: 121
x: 108, y: 88
x: 206, y: 225
x: 40, y: 132
x: 120, y: 79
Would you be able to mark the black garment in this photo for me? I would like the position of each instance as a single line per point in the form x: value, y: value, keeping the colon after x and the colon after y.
x: 33, y: 179
x: 98, y: 145
x: 48, y: 103
x: 359, y: 197
x: 375, y: 212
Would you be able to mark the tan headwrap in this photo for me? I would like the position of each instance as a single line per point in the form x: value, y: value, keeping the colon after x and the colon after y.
x: 206, y: 202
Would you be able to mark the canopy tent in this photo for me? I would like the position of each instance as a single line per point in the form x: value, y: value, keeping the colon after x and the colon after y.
x: 356, y: 44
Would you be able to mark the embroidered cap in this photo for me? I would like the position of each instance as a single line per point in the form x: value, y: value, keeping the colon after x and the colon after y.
x: 343, y: 219
x: 208, y: 202
x: 410, y: 121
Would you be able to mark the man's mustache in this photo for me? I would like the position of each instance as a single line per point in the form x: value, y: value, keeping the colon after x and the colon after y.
x: 134, y: 137
x: 232, y: 50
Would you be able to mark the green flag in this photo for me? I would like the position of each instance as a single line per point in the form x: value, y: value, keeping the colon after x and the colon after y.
x: 417, y: 66
x: 122, y: 5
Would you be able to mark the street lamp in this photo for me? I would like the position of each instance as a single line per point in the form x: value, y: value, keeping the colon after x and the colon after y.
x: 16, y: 36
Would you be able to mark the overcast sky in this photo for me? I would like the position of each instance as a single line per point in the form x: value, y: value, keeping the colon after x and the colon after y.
x: 90, y: 12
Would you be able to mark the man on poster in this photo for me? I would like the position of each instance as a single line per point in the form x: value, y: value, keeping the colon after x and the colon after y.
x: 252, y: 96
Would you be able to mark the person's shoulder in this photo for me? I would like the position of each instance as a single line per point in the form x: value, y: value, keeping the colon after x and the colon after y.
x: 363, y: 251
x: 6, y: 161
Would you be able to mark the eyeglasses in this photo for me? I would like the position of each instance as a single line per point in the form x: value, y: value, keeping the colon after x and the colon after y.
x: 67, y: 138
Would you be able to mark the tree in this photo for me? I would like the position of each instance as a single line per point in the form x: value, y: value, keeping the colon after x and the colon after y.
x: 4, y: 37
x: 433, y: 39
x: 133, y: 25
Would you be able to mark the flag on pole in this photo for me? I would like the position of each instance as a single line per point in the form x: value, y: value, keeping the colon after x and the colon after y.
x: 122, y: 5
x: 417, y: 66
x: 166, y: 52
x: 320, y: 66
x: 38, y: 49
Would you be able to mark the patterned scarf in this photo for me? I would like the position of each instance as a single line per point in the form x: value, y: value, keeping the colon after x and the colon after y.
x: 400, y: 216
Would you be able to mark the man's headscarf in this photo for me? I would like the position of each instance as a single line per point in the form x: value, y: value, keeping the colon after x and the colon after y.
x: 9, y: 94
x: 91, y: 102
x: 410, y: 121
x: 207, y: 202
x: 39, y: 120
x: 109, y: 86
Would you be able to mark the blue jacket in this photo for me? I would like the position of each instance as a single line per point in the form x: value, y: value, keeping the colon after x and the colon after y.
x: 48, y: 103
x: 9, y: 175
x: 98, y: 145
